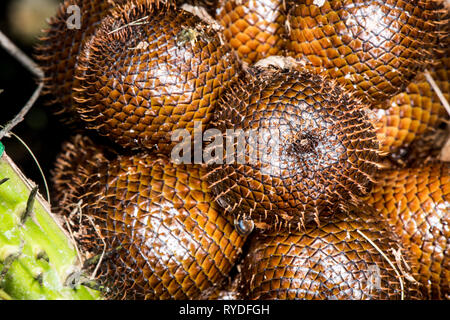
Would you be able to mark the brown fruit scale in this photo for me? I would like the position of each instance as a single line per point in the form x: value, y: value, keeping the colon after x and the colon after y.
x: 333, y: 261
x: 254, y: 28
x: 415, y: 202
x: 139, y: 82
x: 60, y: 49
x: 163, y: 235
x: 373, y: 47
x: 326, y: 157
x: 415, y: 112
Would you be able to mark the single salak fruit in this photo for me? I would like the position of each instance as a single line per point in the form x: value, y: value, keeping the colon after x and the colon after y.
x: 148, y: 71
x: 154, y: 223
x: 340, y: 260
x: 374, y: 47
x: 302, y: 148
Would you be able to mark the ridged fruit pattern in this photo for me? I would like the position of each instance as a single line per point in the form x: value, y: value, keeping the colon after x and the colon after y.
x: 138, y: 70
x: 165, y: 238
x: 373, y: 47
x: 415, y: 112
x: 60, y: 49
x: 333, y: 261
x: 254, y: 28
x: 313, y: 149
x: 142, y: 81
x: 415, y: 202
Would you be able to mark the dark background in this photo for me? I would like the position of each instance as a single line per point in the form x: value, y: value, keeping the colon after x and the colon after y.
x: 41, y: 131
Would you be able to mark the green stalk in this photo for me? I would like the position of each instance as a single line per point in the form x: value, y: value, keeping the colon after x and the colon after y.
x: 37, y: 256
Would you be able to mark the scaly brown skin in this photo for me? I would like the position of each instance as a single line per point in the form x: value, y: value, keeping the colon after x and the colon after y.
x: 165, y: 237
x: 60, y: 49
x: 326, y: 157
x: 415, y: 112
x: 333, y: 261
x: 374, y: 47
x: 415, y: 202
x: 141, y: 82
x: 171, y: 204
x: 254, y: 28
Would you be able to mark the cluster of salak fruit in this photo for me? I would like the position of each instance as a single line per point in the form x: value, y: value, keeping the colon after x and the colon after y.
x: 342, y: 207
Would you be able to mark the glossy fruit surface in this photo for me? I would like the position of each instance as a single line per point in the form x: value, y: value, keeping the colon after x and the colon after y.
x: 415, y: 202
x: 142, y: 81
x: 415, y: 112
x: 254, y: 28
x: 59, y: 51
x: 163, y: 236
x: 333, y: 261
x: 308, y: 149
x: 374, y: 47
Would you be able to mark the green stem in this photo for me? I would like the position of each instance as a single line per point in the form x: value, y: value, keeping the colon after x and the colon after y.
x: 37, y: 256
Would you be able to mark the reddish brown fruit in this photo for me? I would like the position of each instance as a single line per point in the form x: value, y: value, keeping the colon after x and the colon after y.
x: 310, y: 149
x: 415, y: 112
x: 254, y: 28
x: 333, y: 261
x: 142, y: 81
x: 165, y: 238
x: 60, y: 48
x: 416, y: 204
x: 374, y: 47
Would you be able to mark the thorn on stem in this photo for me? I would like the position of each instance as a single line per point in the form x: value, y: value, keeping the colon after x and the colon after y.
x: 73, y: 280
x: 42, y: 255
x: 30, y: 205
x: 92, y: 284
x: 39, y: 278
x: 9, y: 260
